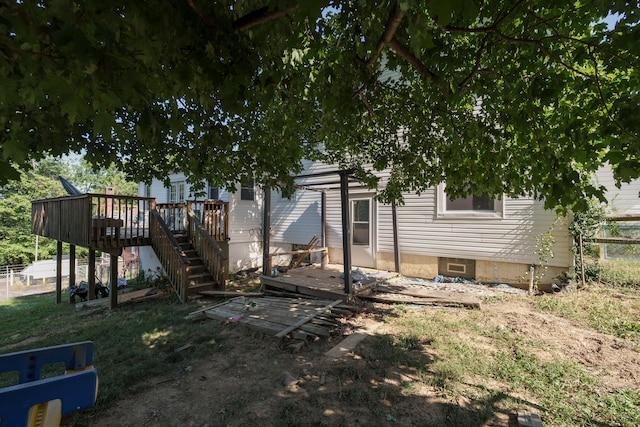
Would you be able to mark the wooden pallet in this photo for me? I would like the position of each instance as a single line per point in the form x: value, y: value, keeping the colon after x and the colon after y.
x: 299, y: 318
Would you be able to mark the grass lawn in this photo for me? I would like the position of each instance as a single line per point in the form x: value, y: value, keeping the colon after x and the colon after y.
x: 447, y: 366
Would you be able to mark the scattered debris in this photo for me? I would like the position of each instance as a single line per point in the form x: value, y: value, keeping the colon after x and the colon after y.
x: 414, y: 295
x: 299, y: 318
x: 230, y: 294
x: 139, y: 295
x: 296, y: 347
x: 528, y: 419
x: 164, y: 381
x: 182, y: 347
x: 304, y: 320
x: 288, y: 379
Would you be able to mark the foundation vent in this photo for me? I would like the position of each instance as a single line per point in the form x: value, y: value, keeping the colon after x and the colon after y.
x: 457, y: 267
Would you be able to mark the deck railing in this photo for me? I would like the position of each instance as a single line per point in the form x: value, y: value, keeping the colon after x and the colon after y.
x: 168, y: 251
x: 208, y: 250
x: 174, y: 215
x: 214, y: 216
x: 98, y: 221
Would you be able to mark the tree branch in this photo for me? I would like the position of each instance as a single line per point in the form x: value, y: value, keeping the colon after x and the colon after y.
x: 388, y: 39
x: 207, y: 19
x: 462, y: 85
x: 401, y: 50
x: 260, y: 16
x: 393, y: 22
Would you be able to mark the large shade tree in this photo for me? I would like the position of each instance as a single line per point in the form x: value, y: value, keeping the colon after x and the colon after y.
x: 500, y: 97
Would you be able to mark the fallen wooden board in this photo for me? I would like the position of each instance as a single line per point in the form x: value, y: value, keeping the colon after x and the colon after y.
x: 301, y: 322
x: 230, y: 294
x: 193, y: 313
x: 417, y: 292
x: 349, y: 343
x: 433, y: 300
x: 134, y: 296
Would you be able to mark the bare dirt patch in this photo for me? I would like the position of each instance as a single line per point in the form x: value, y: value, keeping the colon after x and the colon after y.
x: 258, y: 380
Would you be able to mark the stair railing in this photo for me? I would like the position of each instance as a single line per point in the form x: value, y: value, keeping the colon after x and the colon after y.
x: 171, y: 256
x: 208, y: 250
x: 173, y: 215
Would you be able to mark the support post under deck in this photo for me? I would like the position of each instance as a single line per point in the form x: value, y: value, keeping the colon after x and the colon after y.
x: 59, y: 273
x: 266, y: 228
x: 346, y: 230
x: 113, y: 279
x: 72, y: 265
x: 92, y: 273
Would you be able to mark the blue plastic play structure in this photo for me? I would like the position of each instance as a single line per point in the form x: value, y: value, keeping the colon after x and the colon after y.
x: 41, y: 402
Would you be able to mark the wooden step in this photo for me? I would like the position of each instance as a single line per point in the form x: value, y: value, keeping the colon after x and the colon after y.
x: 190, y: 253
x: 204, y: 276
x: 197, y: 269
x: 195, y: 261
x: 181, y: 238
x: 203, y: 286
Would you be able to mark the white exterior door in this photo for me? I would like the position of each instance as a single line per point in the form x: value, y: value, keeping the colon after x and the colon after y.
x: 363, y: 239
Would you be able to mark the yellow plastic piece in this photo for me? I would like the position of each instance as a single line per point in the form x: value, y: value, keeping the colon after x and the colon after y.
x: 46, y: 414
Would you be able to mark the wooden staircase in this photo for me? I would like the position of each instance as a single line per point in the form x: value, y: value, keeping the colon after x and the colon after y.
x: 192, y: 259
x: 199, y: 278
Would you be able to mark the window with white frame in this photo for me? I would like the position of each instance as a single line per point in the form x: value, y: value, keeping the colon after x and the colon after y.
x: 176, y: 192
x: 214, y: 193
x: 247, y: 190
x: 471, y: 206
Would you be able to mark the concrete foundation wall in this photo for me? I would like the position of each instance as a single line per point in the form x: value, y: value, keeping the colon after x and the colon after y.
x: 244, y: 255
x: 426, y: 267
x: 149, y: 262
x: 516, y: 274
x: 411, y: 265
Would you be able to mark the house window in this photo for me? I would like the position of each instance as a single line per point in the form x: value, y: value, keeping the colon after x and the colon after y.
x: 214, y: 193
x: 147, y: 191
x: 176, y: 192
x: 360, y: 212
x: 471, y: 206
x: 471, y: 203
x: 247, y: 190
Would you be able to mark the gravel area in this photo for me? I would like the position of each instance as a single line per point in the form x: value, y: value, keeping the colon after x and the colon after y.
x: 457, y: 284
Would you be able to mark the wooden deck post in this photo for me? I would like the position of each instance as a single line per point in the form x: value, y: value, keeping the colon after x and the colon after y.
x: 91, y: 274
x: 59, y: 273
x: 346, y: 230
x: 113, y: 279
x: 323, y: 218
x: 324, y: 260
x: 266, y: 227
x: 396, y: 244
x: 72, y: 265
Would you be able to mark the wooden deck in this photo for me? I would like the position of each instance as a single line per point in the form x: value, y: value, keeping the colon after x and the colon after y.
x: 97, y: 221
x: 323, y: 282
